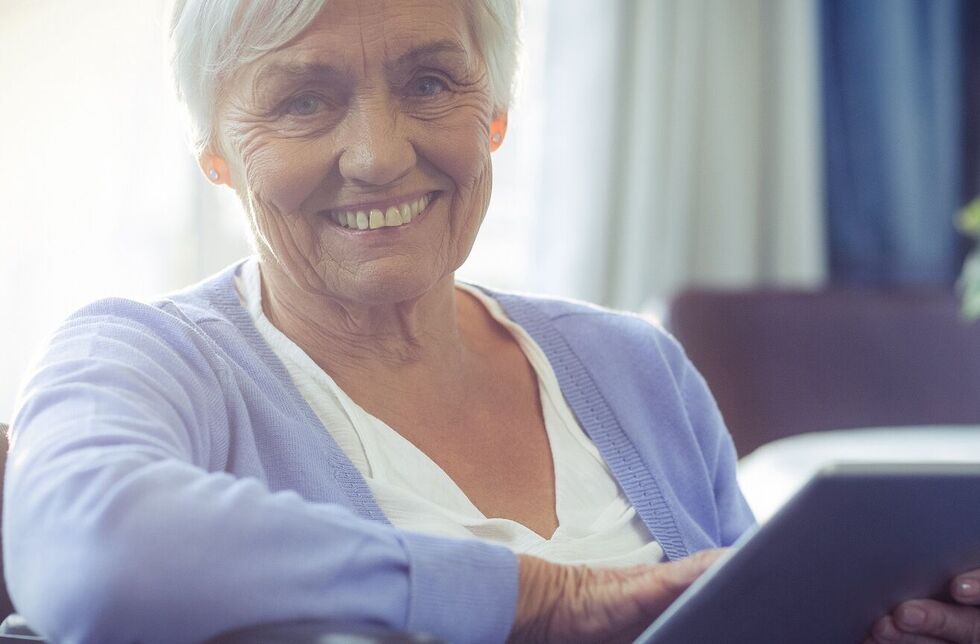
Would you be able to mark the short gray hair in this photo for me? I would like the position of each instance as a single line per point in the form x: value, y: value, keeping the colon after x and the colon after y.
x: 211, y: 39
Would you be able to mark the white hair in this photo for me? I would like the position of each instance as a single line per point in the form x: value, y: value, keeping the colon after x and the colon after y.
x: 211, y: 39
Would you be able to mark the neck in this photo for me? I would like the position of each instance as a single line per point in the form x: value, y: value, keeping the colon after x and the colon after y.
x: 374, y: 345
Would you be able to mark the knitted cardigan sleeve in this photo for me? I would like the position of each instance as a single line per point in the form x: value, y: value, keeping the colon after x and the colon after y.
x: 116, y: 530
x: 734, y: 514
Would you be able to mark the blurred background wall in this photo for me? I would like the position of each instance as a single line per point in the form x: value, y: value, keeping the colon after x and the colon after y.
x: 655, y: 145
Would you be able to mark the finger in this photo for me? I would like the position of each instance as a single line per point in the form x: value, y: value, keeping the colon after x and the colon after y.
x: 650, y: 591
x: 684, y: 571
x: 950, y: 622
x: 631, y: 597
x: 885, y: 631
x: 675, y: 576
x: 965, y: 588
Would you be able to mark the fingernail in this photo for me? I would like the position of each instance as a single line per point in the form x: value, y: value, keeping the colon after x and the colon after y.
x: 968, y: 587
x: 913, y: 616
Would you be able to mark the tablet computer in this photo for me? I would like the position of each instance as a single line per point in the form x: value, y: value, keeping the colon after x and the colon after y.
x: 857, y: 540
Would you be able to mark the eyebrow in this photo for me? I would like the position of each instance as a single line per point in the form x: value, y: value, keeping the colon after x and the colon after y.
x: 429, y: 50
x: 303, y: 69
x: 291, y: 70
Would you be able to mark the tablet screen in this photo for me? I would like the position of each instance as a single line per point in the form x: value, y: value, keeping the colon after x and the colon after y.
x: 854, y: 542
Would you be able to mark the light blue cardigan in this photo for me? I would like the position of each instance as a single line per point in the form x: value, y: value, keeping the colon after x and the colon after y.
x: 167, y: 481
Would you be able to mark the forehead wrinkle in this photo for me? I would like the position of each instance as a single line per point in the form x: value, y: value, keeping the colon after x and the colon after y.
x: 360, y: 38
x: 441, y: 49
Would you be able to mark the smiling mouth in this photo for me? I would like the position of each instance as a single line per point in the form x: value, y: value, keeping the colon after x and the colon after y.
x: 391, y: 217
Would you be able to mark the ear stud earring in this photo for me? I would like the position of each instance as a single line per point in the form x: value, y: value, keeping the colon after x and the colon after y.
x: 497, y: 129
x: 213, y: 174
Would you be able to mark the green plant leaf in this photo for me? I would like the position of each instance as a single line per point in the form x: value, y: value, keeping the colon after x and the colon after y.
x: 969, y: 219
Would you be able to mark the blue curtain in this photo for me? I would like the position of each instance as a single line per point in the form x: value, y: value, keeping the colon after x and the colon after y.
x: 971, y: 100
x: 893, y: 127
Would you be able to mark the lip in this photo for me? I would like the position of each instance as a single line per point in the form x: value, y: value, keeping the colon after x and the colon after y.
x: 381, y: 204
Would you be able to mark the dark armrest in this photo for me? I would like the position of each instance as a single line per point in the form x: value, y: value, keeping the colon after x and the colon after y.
x: 14, y: 630
x: 320, y: 633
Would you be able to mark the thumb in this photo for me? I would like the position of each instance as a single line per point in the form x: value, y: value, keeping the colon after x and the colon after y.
x: 658, y: 587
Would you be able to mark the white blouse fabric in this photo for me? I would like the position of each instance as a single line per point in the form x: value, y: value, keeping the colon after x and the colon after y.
x: 597, y: 525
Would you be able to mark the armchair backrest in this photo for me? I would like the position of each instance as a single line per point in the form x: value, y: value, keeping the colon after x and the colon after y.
x: 6, y: 607
x: 784, y: 362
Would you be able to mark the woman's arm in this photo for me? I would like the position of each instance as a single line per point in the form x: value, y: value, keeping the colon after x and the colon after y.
x: 114, y: 530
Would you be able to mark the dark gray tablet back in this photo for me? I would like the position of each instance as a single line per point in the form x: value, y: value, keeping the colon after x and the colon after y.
x: 853, y: 543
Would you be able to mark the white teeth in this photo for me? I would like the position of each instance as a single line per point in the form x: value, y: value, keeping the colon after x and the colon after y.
x: 393, y: 217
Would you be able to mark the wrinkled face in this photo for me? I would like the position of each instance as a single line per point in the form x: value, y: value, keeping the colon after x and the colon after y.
x: 361, y: 149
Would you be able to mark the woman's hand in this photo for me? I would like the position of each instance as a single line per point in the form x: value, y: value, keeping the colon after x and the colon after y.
x: 559, y: 603
x: 925, y: 621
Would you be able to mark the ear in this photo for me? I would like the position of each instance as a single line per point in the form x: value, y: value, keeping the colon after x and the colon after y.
x: 498, y: 130
x: 215, y: 168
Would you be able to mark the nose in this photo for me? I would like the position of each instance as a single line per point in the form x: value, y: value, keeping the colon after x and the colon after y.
x: 376, y: 148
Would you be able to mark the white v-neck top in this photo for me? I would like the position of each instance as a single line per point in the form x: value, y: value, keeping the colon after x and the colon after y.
x: 597, y: 525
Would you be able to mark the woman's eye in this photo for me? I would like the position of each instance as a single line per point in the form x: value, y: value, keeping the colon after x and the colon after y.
x: 428, y: 86
x: 304, y: 105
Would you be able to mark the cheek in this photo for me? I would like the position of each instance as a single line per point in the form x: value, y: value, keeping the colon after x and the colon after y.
x: 461, y: 151
x: 463, y: 154
x: 280, y: 173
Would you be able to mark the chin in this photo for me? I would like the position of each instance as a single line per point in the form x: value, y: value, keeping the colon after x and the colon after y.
x: 390, y: 283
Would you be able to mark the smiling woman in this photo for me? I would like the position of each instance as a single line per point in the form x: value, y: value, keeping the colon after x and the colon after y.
x: 336, y: 428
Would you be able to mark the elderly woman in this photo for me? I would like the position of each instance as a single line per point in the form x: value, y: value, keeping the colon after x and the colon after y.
x: 336, y: 428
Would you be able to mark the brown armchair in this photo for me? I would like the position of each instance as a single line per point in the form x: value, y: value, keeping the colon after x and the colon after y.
x: 6, y: 608
x: 783, y: 362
